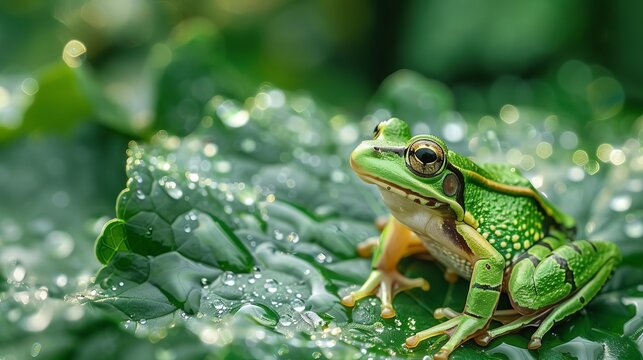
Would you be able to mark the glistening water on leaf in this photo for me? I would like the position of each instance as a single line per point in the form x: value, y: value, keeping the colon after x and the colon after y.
x: 255, y: 214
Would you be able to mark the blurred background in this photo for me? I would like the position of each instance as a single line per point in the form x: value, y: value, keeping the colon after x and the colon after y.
x: 80, y: 79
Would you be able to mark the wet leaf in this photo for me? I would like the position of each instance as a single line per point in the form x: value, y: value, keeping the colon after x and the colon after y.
x: 248, y: 218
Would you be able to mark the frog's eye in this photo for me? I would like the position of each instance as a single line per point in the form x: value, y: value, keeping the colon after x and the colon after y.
x: 377, y: 130
x: 425, y: 158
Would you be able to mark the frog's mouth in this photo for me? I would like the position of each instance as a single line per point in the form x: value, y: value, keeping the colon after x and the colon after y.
x: 406, y: 193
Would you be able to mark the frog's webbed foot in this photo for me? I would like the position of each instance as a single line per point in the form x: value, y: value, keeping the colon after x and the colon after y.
x: 459, y: 328
x: 385, y: 285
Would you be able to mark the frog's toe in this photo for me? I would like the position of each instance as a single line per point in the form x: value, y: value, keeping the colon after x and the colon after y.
x: 534, y: 343
x: 348, y: 300
x: 403, y: 283
x: 412, y: 341
x: 484, y: 339
x: 443, y: 354
x: 445, y: 312
x: 387, y: 311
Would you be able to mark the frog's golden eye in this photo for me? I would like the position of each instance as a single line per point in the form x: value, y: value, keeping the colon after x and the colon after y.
x: 377, y: 130
x: 425, y: 158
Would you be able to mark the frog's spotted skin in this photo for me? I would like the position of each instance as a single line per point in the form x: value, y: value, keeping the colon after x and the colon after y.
x: 485, y: 223
x: 509, y: 235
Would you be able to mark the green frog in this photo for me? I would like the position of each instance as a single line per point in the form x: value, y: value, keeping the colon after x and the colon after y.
x: 485, y: 223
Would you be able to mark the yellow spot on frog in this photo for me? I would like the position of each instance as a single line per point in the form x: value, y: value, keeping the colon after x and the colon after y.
x: 508, y: 256
x: 536, y: 237
x: 531, y: 231
x: 492, y: 241
x: 526, y: 244
x: 526, y: 233
x: 515, y: 237
x: 503, y: 244
x: 492, y: 227
x: 517, y: 246
x: 498, y: 232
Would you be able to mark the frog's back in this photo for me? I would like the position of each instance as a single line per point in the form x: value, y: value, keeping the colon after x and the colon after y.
x: 505, y: 181
x: 505, y: 174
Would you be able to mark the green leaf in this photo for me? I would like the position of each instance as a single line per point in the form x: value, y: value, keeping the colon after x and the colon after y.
x: 252, y: 219
x: 112, y: 239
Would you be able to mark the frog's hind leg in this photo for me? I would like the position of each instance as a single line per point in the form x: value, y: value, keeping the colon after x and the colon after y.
x: 578, y: 301
x: 549, y: 288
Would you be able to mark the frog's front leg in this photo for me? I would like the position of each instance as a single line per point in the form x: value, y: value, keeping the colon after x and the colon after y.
x: 395, y: 242
x: 414, y: 245
x: 484, y: 292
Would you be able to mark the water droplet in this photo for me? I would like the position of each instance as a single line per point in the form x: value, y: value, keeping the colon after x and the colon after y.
x: 621, y: 203
x: 634, y: 228
x: 228, y: 278
x: 29, y: 86
x: 218, y: 304
x: 187, y: 229
x: 61, y: 280
x: 210, y: 149
x: 379, y: 327
x: 74, y: 53
x: 142, y: 321
x: 285, y: 320
x: 140, y: 195
x: 237, y: 119
x: 298, y: 305
x: 35, y: 349
x: 172, y: 189
x: 293, y: 237
x: 59, y: 243
x: 248, y: 145
x: 19, y: 273
x: 278, y: 235
x: 270, y: 285
x: 320, y: 258
x: 42, y: 293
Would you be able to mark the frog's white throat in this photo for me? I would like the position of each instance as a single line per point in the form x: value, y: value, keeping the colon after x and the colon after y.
x: 434, y: 225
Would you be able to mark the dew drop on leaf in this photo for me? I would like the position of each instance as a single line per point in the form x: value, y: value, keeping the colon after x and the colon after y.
x: 298, y: 305
x: 379, y: 327
x: 270, y: 285
x: 634, y: 228
x: 285, y: 320
x: 140, y: 195
x: 228, y: 278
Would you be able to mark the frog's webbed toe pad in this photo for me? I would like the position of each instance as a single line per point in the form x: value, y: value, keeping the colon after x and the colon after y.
x: 387, y: 311
x: 534, y: 343
x: 385, y: 285
x: 484, y: 339
x: 459, y: 329
x: 445, y: 312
